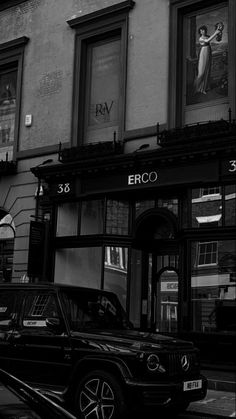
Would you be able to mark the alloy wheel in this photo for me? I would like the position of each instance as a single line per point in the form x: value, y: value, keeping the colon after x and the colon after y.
x: 96, y: 399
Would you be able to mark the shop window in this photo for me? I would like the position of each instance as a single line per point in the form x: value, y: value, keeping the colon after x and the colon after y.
x: 170, y: 204
x: 79, y: 266
x: 142, y: 206
x: 117, y: 217
x: 92, y: 217
x: 214, y: 287
x: 67, y: 219
x: 207, y: 207
x: 230, y: 205
x: 100, y: 66
x: 202, y: 52
x: 7, y: 235
x: 115, y: 271
x: 11, y: 64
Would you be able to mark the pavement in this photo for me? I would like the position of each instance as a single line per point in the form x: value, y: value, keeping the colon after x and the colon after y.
x: 220, y: 401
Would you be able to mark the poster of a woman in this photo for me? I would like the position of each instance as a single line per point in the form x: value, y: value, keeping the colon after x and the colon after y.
x: 201, y: 82
x: 207, y: 56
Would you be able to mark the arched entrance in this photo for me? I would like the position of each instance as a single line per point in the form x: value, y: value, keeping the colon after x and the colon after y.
x: 7, y: 235
x: 155, y: 238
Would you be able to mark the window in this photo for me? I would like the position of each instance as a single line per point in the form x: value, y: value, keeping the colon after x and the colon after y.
x: 100, y: 66
x: 207, y: 253
x: 11, y: 64
x: 213, y: 288
x: 210, y: 191
x: 38, y: 307
x: 202, y: 52
x: 117, y: 217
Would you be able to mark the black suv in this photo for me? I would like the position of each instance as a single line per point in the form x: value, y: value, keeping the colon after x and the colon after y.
x: 79, y: 341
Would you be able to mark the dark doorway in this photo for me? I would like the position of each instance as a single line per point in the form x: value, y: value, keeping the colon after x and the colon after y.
x: 154, y: 292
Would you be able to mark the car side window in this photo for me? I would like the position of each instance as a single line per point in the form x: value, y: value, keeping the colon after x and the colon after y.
x: 38, y: 307
x: 8, y: 310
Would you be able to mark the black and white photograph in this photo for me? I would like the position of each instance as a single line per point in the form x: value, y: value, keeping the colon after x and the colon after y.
x: 117, y: 209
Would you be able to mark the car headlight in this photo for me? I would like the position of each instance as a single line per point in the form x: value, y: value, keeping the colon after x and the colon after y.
x: 153, y: 363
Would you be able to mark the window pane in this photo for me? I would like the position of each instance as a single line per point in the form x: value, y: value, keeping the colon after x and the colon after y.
x: 135, y: 288
x: 117, y: 217
x: 79, y: 266
x: 115, y: 271
x: 141, y: 206
x: 39, y: 306
x: 230, y: 205
x: 214, y: 286
x: 170, y: 204
x: 206, y: 207
x: 103, y: 91
x: 92, y: 215
x: 7, y: 106
x: 67, y: 219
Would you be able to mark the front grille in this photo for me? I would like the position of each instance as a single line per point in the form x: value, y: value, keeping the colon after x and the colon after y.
x: 174, y: 365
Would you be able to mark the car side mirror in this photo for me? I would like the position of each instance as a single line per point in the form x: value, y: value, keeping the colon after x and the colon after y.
x: 54, y: 324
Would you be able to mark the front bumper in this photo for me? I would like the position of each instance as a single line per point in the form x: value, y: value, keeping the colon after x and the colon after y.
x: 166, y: 394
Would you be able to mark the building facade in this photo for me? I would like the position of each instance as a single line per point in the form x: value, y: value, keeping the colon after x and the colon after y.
x: 118, y: 159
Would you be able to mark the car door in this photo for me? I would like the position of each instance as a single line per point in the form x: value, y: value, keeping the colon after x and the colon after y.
x: 10, y: 302
x: 44, y: 354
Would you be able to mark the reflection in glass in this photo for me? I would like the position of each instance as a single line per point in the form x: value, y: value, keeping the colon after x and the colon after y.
x: 67, y: 219
x: 79, y: 266
x: 117, y: 217
x: 206, y: 207
x: 115, y: 271
x: 214, y: 286
x: 170, y: 204
x: 167, y: 302
x: 135, y: 287
x: 230, y: 205
x: 92, y: 215
x: 141, y: 206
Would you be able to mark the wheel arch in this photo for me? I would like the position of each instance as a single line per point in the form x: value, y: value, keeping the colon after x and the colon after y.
x: 116, y: 367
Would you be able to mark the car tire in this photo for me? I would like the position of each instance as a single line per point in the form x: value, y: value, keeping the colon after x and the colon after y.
x: 99, y: 396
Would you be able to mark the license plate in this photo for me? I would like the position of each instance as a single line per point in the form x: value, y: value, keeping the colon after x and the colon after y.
x: 192, y: 385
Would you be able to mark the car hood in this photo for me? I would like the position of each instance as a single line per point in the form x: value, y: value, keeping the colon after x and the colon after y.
x: 122, y: 340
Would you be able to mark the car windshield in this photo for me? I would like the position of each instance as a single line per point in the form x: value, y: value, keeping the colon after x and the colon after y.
x: 88, y: 310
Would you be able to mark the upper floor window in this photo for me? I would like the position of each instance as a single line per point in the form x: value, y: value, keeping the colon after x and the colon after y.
x: 203, y: 53
x: 11, y: 64
x: 100, y: 72
x: 8, y: 79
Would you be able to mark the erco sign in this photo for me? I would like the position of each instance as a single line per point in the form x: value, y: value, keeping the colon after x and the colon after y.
x: 142, y: 178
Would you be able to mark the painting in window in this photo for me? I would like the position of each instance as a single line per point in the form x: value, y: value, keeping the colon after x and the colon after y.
x: 207, y: 56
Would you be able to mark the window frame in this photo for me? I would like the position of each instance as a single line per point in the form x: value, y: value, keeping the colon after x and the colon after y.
x: 102, y: 24
x: 203, y: 254
x: 178, y: 10
x: 12, y: 56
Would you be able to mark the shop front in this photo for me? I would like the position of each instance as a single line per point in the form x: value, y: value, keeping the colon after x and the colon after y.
x: 158, y: 229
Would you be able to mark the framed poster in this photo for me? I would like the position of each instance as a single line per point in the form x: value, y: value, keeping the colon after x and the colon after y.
x: 206, y: 60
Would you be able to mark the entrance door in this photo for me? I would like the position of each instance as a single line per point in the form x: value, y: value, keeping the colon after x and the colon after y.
x: 160, y: 292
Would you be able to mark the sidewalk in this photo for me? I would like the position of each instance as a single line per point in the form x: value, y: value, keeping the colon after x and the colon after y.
x: 220, y: 401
